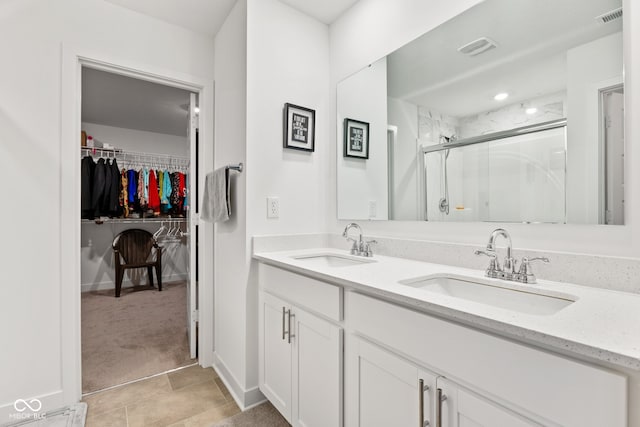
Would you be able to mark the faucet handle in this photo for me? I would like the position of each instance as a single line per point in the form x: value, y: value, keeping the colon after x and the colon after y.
x: 494, y: 266
x: 525, y: 274
x: 365, y: 250
x: 490, y: 254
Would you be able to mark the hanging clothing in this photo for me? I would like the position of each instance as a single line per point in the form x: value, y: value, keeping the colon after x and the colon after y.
x: 141, y: 189
x: 166, y: 190
x: 133, y: 186
x: 88, y: 167
x: 108, y: 181
x: 154, y: 197
x: 160, y: 184
x: 146, y: 184
x: 124, y: 193
x: 175, y: 190
x: 98, y: 187
x: 186, y: 192
x: 114, y: 192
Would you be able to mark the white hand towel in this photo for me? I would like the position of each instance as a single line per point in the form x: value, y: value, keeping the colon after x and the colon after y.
x: 216, y: 206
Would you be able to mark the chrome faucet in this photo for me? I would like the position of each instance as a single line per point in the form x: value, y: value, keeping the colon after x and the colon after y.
x: 360, y: 246
x: 508, y: 269
x: 509, y: 265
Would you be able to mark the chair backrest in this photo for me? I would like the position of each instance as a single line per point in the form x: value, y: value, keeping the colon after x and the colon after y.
x: 134, y: 245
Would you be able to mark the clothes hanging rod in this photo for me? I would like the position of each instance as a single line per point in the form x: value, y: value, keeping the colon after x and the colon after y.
x: 553, y: 124
x: 239, y: 167
x: 110, y: 152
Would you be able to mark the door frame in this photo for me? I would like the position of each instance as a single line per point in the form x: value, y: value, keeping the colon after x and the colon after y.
x: 73, y: 59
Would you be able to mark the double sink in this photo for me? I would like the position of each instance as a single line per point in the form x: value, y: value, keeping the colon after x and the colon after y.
x: 526, y: 299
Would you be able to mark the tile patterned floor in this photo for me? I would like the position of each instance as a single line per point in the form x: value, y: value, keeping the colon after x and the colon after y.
x: 190, y: 397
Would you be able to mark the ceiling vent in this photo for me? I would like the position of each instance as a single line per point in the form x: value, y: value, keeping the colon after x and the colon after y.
x: 478, y: 46
x: 610, y: 16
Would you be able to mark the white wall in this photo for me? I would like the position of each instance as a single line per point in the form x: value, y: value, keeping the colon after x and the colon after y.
x: 230, y: 253
x: 287, y: 61
x: 373, y: 28
x: 363, y: 97
x: 137, y: 140
x: 590, y: 67
x: 30, y: 83
x: 267, y: 54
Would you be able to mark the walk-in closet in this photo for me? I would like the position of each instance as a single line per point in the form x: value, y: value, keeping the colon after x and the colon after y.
x: 138, y: 245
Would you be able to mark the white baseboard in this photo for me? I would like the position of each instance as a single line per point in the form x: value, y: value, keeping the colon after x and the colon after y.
x: 245, y: 399
x: 127, y: 283
x: 50, y: 402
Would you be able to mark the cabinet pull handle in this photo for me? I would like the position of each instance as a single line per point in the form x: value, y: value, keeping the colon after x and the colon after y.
x: 439, y: 399
x: 283, y: 315
x: 289, y: 335
x: 421, y: 389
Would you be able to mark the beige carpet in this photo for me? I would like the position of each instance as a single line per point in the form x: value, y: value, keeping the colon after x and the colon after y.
x: 264, y: 415
x: 144, y: 332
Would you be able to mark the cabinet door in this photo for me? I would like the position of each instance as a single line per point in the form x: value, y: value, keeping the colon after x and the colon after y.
x: 388, y: 389
x: 462, y: 408
x: 317, y: 371
x: 275, y: 353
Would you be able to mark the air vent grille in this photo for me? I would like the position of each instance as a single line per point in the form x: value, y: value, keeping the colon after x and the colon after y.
x: 610, y: 16
x: 478, y: 46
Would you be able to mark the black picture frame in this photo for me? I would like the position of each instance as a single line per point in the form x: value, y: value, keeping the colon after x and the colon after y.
x: 299, y: 127
x: 356, y: 139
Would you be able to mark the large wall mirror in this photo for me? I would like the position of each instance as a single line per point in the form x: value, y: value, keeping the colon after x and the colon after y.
x: 509, y: 112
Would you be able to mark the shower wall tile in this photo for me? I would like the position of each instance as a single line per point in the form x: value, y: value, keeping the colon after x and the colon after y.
x: 549, y: 107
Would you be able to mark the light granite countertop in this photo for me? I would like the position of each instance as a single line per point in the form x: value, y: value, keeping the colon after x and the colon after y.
x: 600, y: 325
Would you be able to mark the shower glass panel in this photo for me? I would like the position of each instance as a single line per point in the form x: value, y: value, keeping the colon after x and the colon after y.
x: 467, y: 179
x: 516, y: 179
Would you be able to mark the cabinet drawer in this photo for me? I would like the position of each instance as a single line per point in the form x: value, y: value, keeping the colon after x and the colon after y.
x: 314, y: 295
x: 558, y: 389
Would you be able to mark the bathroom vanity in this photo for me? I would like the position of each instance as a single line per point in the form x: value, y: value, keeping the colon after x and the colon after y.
x: 384, y: 341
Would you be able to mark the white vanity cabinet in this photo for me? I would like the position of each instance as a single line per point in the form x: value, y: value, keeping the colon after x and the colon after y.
x: 387, y: 390
x: 398, y: 360
x: 300, y: 349
x: 462, y: 408
x: 488, y: 380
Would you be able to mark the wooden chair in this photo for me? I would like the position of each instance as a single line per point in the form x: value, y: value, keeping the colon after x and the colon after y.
x: 132, y: 249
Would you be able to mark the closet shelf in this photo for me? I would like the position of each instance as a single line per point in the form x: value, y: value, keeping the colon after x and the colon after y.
x: 134, y: 220
x: 132, y: 158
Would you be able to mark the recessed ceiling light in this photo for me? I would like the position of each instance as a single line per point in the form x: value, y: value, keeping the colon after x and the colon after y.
x: 531, y: 110
x: 197, y: 110
x: 501, y: 96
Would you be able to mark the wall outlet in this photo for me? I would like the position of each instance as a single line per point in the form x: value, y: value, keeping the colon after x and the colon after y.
x: 273, y: 207
x: 373, y: 209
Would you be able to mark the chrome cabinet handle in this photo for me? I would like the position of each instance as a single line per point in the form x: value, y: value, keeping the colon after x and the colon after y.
x: 289, y: 334
x: 421, y: 389
x: 439, y: 399
x: 283, y: 314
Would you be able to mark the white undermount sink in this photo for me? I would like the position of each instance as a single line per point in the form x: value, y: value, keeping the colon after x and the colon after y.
x: 519, y: 300
x: 333, y: 260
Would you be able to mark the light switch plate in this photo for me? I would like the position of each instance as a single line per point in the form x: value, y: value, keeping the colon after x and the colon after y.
x: 373, y: 209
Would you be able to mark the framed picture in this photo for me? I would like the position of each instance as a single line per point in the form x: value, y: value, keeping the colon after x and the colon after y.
x: 356, y: 139
x: 299, y: 127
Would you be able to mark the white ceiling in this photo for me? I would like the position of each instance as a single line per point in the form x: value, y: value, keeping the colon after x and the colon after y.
x: 114, y: 100
x: 207, y: 16
x: 202, y: 16
x: 532, y: 37
x: 325, y: 11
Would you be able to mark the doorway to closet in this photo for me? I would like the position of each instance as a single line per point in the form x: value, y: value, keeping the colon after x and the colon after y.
x: 138, y: 152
